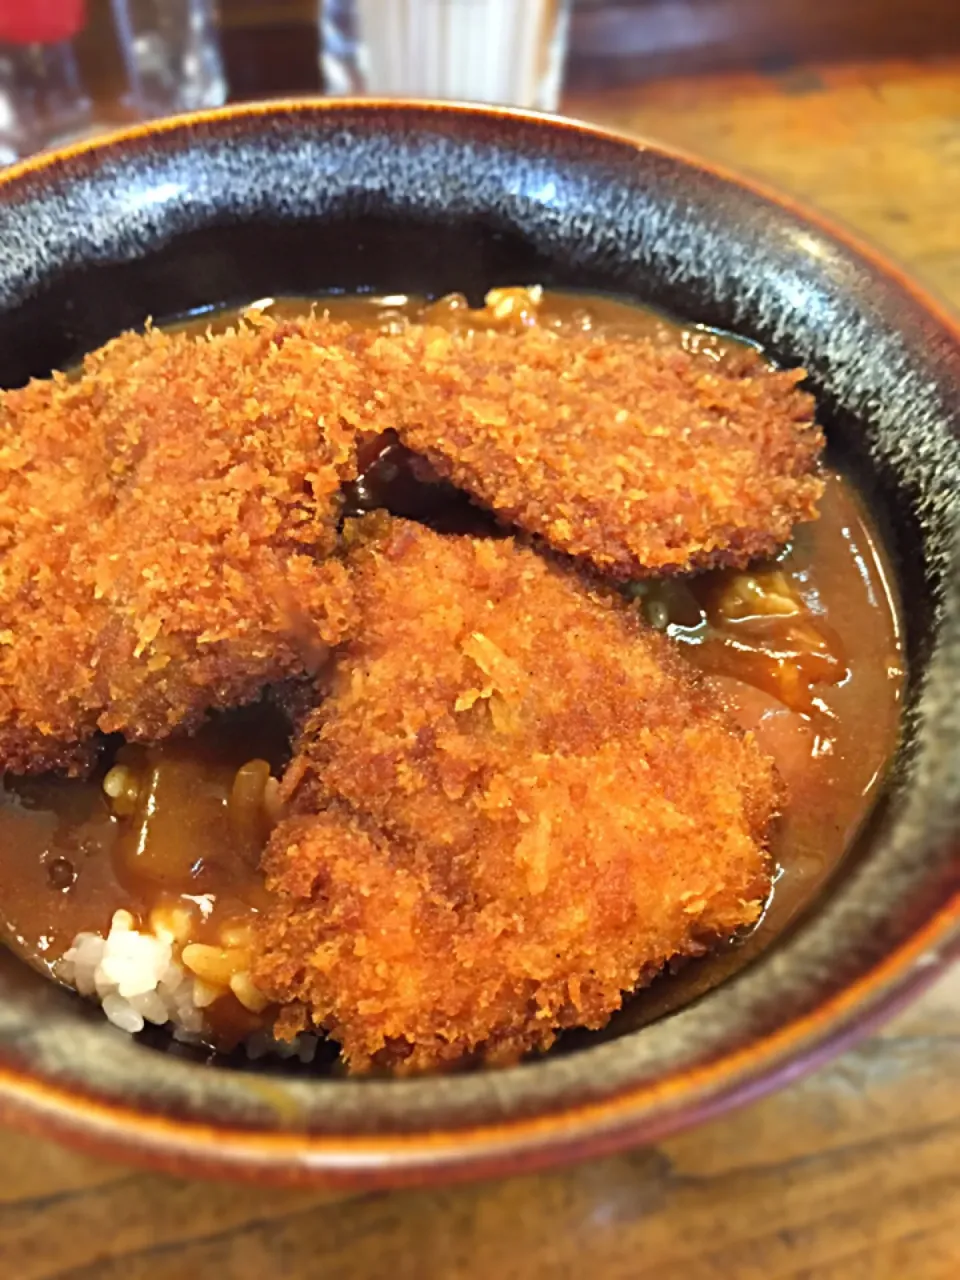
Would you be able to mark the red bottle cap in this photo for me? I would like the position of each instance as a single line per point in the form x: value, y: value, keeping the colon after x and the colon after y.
x: 40, y: 21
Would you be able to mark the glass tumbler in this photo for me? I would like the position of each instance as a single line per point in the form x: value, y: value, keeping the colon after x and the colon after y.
x: 497, y: 51
x: 71, y: 68
x: 171, y: 55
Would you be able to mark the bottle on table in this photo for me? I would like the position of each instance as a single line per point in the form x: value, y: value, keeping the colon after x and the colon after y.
x: 146, y: 58
x: 42, y: 97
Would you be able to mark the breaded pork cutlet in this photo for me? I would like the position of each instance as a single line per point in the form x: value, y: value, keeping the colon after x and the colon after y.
x: 514, y: 804
x: 167, y: 519
x: 640, y: 458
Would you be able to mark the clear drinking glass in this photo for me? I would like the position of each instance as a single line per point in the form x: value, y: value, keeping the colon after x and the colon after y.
x: 499, y: 51
x: 171, y: 54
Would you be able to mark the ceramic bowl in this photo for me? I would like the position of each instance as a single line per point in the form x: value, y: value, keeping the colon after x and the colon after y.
x: 311, y: 197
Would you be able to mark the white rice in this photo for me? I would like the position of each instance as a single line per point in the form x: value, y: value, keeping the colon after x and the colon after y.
x: 137, y: 978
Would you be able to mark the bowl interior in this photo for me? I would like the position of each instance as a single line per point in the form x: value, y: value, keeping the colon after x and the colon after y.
x: 308, y: 199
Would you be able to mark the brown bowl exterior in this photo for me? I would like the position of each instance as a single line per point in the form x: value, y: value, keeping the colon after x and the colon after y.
x: 304, y: 197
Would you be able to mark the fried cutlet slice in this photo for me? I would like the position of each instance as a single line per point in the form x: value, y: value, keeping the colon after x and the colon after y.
x: 514, y: 803
x: 167, y: 518
x: 641, y: 458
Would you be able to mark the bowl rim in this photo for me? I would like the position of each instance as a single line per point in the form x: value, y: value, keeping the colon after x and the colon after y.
x: 643, y: 1113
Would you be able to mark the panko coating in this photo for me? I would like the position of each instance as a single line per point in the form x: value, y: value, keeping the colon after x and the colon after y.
x: 514, y: 804
x: 640, y: 458
x: 167, y: 518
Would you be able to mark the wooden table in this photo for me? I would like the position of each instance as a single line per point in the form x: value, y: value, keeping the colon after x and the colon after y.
x: 853, y: 1174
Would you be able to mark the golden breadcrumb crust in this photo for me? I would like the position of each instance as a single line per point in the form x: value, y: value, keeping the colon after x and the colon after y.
x: 167, y: 517
x: 165, y: 521
x: 515, y: 803
x: 642, y: 459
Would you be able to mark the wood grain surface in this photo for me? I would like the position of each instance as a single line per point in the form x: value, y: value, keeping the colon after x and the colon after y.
x: 625, y: 41
x: 851, y: 1174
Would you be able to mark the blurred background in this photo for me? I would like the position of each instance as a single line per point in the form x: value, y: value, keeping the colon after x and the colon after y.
x: 70, y: 67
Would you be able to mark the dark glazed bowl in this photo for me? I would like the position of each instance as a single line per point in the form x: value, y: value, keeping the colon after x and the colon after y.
x: 303, y: 198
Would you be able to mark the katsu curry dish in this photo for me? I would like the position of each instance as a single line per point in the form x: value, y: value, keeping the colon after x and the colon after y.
x: 425, y: 681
